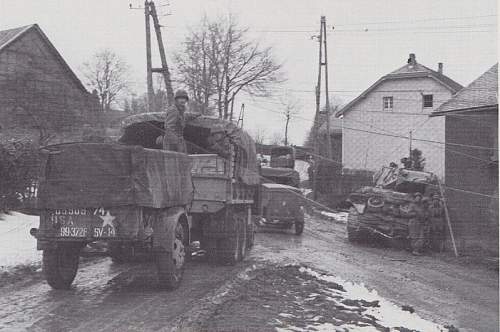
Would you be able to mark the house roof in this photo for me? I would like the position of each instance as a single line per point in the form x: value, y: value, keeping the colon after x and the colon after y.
x: 412, y: 69
x: 481, y: 94
x: 7, y: 37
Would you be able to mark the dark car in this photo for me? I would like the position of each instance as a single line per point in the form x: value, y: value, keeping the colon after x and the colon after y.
x: 281, y: 206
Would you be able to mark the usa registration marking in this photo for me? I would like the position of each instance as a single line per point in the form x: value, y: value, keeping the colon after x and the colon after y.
x: 73, y: 231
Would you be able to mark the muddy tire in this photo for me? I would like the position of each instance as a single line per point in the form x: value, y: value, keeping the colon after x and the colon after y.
x: 243, y: 241
x: 228, y: 248
x: 60, y: 265
x: 170, y: 262
x: 120, y: 254
x: 250, y: 235
x: 211, y: 250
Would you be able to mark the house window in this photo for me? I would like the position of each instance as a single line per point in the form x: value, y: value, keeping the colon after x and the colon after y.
x: 428, y: 100
x: 388, y: 103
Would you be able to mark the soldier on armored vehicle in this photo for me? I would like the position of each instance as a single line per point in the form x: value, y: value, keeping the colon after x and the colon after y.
x: 394, y: 209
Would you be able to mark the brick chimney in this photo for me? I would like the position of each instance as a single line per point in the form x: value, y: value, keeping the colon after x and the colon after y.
x: 412, y: 60
x: 440, y: 68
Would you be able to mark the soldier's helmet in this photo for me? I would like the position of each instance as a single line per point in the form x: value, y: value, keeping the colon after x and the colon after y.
x: 181, y: 94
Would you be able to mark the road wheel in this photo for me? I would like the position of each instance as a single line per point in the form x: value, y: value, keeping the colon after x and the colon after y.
x: 120, y: 254
x: 60, y: 265
x: 170, y: 261
x: 228, y: 248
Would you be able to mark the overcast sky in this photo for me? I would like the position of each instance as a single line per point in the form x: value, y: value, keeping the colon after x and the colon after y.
x: 371, y: 38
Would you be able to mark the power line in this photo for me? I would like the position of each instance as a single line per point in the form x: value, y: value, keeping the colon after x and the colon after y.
x: 396, y: 135
x: 420, y: 20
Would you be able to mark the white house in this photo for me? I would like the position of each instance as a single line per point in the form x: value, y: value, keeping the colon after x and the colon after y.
x: 378, y: 123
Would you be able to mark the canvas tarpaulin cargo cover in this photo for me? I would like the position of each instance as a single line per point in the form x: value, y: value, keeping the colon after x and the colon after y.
x: 103, y: 174
x: 136, y: 126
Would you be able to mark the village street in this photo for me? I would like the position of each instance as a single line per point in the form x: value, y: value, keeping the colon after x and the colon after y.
x: 288, y: 283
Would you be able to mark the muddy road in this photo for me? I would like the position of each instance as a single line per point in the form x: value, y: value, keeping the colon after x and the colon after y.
x: 315, y: 281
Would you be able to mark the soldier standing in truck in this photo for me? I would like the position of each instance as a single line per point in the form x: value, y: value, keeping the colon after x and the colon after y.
x: 175, y: 122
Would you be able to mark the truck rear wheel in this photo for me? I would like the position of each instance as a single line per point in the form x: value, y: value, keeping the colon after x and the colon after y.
x: 229, y: 247
x: 170, y: 261
x: 250, y: 234
x: 60, y: 265
x: 243, y: 242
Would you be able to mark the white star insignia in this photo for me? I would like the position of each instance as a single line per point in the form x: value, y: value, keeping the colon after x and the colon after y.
x: 107, y: 220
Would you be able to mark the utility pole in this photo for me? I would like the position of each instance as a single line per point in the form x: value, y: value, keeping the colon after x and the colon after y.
x: 149, y: 72
x: 241, y: 117
x: 164, y: 66
x: 327, y: 101
x: 150, y: 11
x: 409, y: 156
x: 322, y: 62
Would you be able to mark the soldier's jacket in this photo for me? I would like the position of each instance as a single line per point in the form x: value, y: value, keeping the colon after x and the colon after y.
x: 417, y: 211
x: 174, y: 123
x: 174, y: 130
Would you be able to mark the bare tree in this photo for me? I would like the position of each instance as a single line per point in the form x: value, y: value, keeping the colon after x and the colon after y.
x: 260, y: 136
x: 219, y: 61
x: 108, y: 74
x: 277, y: 139
x: 290, y: 109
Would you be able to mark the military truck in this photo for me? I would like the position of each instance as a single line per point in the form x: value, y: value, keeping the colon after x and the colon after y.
x: 382, y: 210
x: 281, y: 206
x: 133, y: 194
x: 283, y: 156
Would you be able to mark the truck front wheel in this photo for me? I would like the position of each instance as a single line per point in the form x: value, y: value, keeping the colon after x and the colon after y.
x: 60, y: 265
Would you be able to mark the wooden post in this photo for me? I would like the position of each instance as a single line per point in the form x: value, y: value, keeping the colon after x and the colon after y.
x: 448, y: 219
x: 328, y: 137
x: 161, y: 49
x: 149, y: 72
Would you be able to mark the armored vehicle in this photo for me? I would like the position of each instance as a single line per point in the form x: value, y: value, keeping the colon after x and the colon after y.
x: 383, y: 210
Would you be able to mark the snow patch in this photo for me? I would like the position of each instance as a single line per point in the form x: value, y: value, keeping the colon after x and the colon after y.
x: 17, y: 246
x: 387, y: 314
